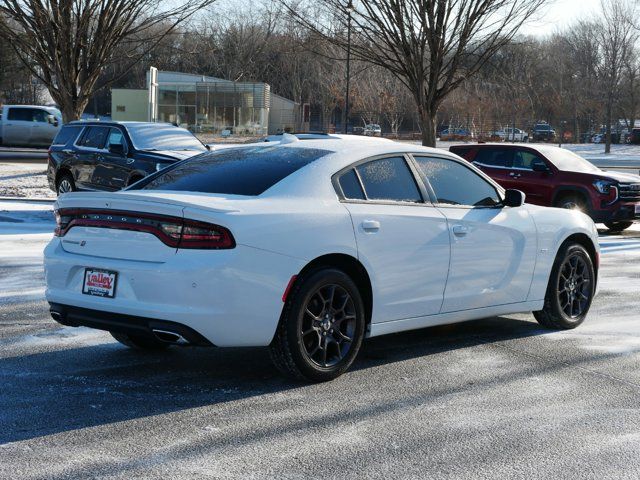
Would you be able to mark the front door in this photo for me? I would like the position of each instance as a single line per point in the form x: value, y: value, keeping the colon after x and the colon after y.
x: 114, y: 160
x: 402, y: 240
x: 537, y: 186
x: 91, y: 173
x: 493, y: 248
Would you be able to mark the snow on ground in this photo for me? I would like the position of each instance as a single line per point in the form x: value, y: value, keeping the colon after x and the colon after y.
x: 25, y: 229
x: 24, y: 180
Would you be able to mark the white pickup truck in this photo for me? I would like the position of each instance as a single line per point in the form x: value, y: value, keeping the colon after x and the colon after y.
x: 512, y: 135
x: 29, y: 125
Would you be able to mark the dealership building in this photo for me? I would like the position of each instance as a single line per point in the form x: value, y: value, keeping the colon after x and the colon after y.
x: 207, y: 105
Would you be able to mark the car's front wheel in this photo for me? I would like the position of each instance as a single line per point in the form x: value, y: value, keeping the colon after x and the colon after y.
x: 322, y: 327
x: 617, y: 226
x: 570, y: 290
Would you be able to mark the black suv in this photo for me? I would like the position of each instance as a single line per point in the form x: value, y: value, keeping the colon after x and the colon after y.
x: 542, y: 132
x: 112, y: 155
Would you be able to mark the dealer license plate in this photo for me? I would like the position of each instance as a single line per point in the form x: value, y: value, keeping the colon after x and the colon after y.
x: 100, y: 283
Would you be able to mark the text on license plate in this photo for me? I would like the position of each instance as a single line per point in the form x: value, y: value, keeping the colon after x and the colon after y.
x: 101, y: 283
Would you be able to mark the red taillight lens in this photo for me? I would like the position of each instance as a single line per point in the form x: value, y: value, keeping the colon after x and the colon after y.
x: 205, y: 235
x: 172, y: 231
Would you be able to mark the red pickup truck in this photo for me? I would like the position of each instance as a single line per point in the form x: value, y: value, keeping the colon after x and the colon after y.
x: 556, y: 177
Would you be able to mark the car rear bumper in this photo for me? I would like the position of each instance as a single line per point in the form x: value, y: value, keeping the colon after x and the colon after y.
x: 229, y: 297
x: 128, y: 324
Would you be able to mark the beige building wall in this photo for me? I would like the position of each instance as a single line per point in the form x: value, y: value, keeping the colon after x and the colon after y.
x: 129, y: 105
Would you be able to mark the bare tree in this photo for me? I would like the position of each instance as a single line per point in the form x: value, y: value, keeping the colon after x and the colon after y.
x: 68, y: 44
x: 616, y: 37
x: 431, y: 46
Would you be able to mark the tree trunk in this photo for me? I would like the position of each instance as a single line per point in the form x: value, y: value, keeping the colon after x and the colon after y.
x: 607, y: 145
x: 427, y: 119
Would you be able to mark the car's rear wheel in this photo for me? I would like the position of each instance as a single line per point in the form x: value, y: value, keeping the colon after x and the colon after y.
x: 618, y: 226
x: 322, y: 327
x: 140, y: 342
x: 570, y: 290
x: 65, y: 184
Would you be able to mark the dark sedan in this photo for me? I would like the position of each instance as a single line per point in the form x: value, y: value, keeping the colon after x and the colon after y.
x: 113, y: 155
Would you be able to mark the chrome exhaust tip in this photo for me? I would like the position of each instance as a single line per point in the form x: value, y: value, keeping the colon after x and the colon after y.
x: 170, y: 337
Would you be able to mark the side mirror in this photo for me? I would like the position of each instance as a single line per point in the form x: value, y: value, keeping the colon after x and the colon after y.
x: 116, y: 149
x: 513, y: 198
x: 540, y: 167
x: 52, y: 120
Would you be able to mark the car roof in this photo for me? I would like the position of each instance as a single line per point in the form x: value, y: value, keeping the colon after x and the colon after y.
x: 115, y: 122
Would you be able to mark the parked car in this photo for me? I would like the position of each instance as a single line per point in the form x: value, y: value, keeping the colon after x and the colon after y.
x: 373, y: 130
x: 455, y: 134
x: 542, y: 132
x: 552, y: 176
x: 29, y: 125
x: 112, y: 155
x: 634, y: 137
x: 310, y: 246
x: 512, y: 135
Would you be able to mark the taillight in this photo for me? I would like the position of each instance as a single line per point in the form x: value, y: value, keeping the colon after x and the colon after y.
x: 172, y: 231
x: 205, y: 235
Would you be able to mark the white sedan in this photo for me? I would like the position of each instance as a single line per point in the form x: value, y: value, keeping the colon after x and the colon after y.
x: 310, y: 246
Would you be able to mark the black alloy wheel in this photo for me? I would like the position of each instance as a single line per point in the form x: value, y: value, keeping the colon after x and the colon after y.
x: 570, y: 290
x: 321, y: 328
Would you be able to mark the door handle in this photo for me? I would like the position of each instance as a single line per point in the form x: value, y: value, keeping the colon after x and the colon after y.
x: 370, y: 225
x: 515, y: 175
x: 68, y: 151
x: 460, y: 230
x: 130, y: 160
x: 100, y: 158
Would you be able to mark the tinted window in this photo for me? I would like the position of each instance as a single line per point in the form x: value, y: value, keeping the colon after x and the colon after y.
x: 21, y: 114
x: 524, y: 159
x: 456, y: 184
x: 389, y: 179
x: 493, y: 157
x: 236, y: 171
x: 351, y: 186
x: 65, y: 134
x: 94, y: 137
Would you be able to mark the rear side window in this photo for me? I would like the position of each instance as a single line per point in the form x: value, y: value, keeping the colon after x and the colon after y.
x: 455, y: 184
x: 94, y: 137
x: 350, y: 186
x: 494, y: 157
x: 236, y: 171
x: 21, y: 114
x: 389, y: 179
x: 66, y: 133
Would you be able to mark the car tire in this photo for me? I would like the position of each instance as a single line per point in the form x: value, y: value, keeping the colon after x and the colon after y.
x: 572, y: 202
x: 617, y: 226
x: 140, y: 342
x: 570, y: 290
x: 65, y: 184
x: 321, y: 328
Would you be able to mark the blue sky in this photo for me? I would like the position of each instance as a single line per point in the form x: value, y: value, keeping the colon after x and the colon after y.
x: 559, y: 14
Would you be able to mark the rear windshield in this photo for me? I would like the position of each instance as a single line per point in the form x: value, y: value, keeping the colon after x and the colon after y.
x: 66, y: 133
x: 236, y: 171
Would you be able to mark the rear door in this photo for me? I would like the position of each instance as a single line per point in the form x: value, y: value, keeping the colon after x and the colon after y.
x: 495, y: 162
x: 17, y: 126
x: 493, y: 248
x: 402, y: 240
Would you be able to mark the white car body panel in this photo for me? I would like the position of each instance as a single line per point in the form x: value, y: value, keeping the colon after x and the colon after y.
x: 421, y: 273
x: 407, y: 257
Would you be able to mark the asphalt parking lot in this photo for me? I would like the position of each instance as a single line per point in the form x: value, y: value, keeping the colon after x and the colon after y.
x: 496, y: 398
